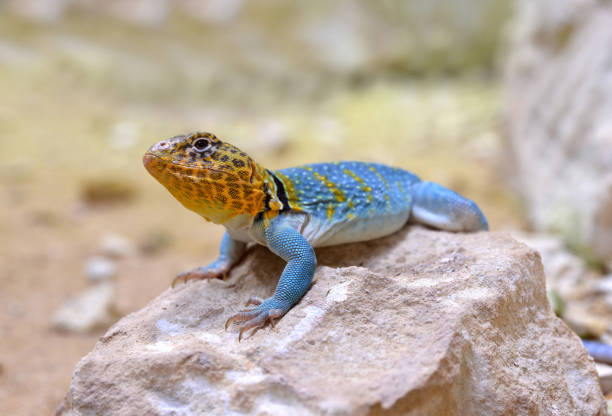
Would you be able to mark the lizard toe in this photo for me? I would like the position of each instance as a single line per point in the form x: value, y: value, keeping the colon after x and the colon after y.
x: 199, y: 273
x: 255, y: 318
x: 254, y: 300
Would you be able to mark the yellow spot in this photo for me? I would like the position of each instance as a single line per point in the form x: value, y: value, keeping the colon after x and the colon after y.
x: 364, y: 187
x: 370, y: 198
x: 401, y: 188
x: 388, y: 202
x: 332, y: 187
x: 330, y: 211
x: 350, y: 216
x: 379, y: 176
x: 353, y: 175
x: 350, y: 204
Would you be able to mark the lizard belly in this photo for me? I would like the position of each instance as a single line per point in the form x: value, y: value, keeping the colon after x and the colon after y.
x: 321, y: 233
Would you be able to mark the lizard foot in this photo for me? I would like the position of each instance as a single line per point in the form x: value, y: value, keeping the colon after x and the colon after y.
x: 199, y: 273
x: 255, y: 318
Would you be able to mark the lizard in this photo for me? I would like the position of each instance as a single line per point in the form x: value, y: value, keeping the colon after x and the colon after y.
x: 291, y: 211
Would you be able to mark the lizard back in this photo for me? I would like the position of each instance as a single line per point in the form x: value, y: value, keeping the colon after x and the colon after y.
x: 348, y: 201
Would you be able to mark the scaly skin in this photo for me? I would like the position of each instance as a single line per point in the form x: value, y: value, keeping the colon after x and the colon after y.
x: 293, y: 210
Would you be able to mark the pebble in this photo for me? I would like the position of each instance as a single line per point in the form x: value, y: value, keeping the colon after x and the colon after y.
x: 605, y: 284
x: 155, y: 241
x: 116, y: 246
x: 124, y: 135
x: 605, y: 377
x: 100, y: 269
x: 88, y: 310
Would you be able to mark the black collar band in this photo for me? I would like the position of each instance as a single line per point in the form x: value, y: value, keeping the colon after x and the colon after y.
x: 280, y: 192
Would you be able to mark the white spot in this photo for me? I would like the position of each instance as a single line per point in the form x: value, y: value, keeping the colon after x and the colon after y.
x: 429, y: 282
x: 476, y: 293
x: 166, y: 327
x: 313, y: 315
x: 338, y: 292
x: 246, y: 377
x: 208, y: 337
x: 161, y: 346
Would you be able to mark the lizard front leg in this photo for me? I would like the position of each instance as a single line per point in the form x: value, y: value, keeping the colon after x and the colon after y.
x: 230, y: 252
x: 291, y: 246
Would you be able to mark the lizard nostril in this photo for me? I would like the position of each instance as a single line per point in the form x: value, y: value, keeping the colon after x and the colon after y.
x: 163, y: 144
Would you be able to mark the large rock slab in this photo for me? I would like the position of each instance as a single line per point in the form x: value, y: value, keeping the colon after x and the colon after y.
x: 559, y: 129
x: 419, y: 323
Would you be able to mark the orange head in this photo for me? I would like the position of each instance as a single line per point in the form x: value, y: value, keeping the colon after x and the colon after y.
x: 211, y: 177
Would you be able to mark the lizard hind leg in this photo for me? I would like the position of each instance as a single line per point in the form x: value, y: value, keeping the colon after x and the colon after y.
x: 439, y: 207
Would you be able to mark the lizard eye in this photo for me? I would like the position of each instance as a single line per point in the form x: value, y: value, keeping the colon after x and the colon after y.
x: 201, y: 145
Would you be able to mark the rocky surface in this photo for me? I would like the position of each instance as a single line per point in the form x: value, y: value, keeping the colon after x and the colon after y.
x: 559, y: 100
x: 422, y: 322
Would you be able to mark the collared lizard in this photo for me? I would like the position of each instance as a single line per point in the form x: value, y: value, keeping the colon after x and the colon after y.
x: 293, y: 210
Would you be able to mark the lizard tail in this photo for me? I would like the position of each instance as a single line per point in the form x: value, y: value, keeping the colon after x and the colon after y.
x: 439, y: 207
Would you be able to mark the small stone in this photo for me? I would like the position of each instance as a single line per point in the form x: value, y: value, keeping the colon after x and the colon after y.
x: 107, y: 190
x: 565, y: 272
x: 155, y: 242
x: 605, y: 284
x: 124, y: 135
x: 605, y: 377
x: 89, y: 310
x: 116, y: 246
x: 583, y: 323
x: 100, y: 268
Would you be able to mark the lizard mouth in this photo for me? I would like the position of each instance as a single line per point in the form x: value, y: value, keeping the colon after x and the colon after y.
x: 149, y: 159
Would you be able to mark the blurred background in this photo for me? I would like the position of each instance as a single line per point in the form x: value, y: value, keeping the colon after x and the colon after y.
x: 506, y: 102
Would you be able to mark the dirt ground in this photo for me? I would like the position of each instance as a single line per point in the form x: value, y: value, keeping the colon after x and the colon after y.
x: 61, y: 127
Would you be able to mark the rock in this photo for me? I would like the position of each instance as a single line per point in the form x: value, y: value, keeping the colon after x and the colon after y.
x: 565, y: 272
x: 87, y: 311
x: 100, y: 268
x: 107, y: 190
x: 605, y: 377
x: 576, y: 292
x: 421, y: 322
x: 116, y: 246
x: 559, y: 130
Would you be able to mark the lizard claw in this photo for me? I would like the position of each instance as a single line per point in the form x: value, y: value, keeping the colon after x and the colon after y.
x: 254, y: 318
x: 199, y: 273
x: 254, y: 300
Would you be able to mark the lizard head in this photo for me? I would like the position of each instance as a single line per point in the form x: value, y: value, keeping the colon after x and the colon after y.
x: 208, y: 176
